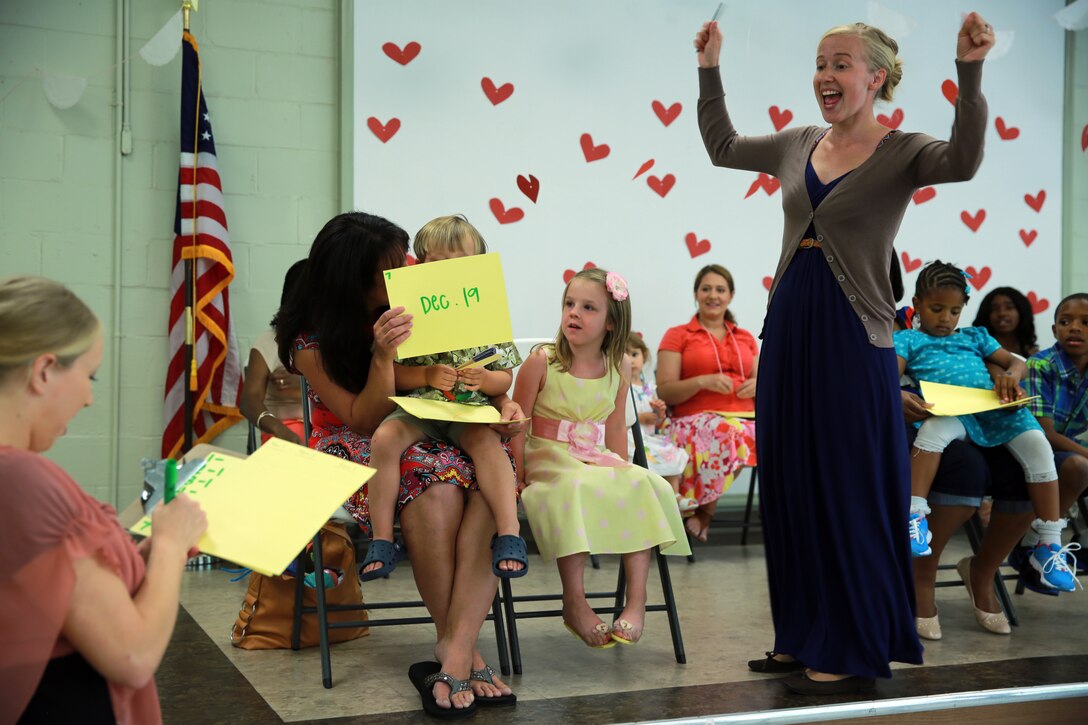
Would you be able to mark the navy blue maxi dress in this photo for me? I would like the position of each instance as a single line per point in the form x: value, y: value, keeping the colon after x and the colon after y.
x: 834, y: 478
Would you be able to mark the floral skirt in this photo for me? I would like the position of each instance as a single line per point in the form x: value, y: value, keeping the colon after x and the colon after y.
x: 717, y: 448
x: 423, y: 464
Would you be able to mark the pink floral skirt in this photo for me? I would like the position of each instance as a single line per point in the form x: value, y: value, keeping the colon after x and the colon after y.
x: 717, y: 448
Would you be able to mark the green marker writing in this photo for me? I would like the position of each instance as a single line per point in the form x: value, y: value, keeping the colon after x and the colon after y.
x: 170, y: 480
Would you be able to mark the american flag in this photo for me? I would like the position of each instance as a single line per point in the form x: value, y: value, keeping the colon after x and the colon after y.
x: 200, y: 233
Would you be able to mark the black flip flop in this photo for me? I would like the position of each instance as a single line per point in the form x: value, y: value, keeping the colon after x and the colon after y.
x: 487, y: 675
x: 509, y: 547
x: 423, y: 675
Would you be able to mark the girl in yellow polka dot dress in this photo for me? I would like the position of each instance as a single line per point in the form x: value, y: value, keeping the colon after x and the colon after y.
x: 580, y: 494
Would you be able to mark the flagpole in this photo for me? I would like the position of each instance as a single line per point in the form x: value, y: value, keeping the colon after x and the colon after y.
x: 190, y: 339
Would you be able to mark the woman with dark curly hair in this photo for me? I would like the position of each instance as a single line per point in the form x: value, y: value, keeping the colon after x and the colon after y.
x: 1006, y: 314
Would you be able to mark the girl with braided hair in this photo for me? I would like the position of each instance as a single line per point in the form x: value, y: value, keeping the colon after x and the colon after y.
x: 938, y: 352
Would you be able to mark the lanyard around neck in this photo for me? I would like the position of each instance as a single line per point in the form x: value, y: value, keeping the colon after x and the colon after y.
x: 714, y: 347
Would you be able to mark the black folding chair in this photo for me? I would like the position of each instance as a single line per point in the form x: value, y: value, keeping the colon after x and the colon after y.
x: 508, y: 599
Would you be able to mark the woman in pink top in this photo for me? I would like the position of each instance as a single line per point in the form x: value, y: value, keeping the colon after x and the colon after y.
x: 85, y: 614
x: 707, y: 368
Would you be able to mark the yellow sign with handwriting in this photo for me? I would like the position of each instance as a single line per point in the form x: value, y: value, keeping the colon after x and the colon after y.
x: 958, y: 400
x: 454, y: 303
x: 263, y: 510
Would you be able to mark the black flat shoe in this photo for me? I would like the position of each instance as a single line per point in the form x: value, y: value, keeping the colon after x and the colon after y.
x: 771, y: 666
x: 801, y: 684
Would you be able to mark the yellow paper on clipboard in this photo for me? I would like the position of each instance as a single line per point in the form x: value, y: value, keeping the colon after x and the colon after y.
x: 455, y: 304
x: 958, y: 400
x: 448, y: 410
x: 747, y: 414
x: 264, y: 509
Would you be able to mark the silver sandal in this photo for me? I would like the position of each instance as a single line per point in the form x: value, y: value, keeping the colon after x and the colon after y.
x: 487, y: 674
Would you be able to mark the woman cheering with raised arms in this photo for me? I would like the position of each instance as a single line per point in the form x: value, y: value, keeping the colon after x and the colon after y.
x: 834, y: 474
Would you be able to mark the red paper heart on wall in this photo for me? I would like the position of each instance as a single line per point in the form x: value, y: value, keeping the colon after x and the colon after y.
x: 1007, y: 133
x: 973, y: 222
x: 504, y: 215
x: 666, y: 115
x: 1027, y: 237
x: 951, y: 91
x: 385, y: 131
x: 405, y: 56
x: 923, y: 195
x: 696, y: 246
x: 1038, y: 304
x: 767, y: 283
x: 591, y: 152
x: 662, y: 185
x: 568, y: 275
x: 780, y: 118
x: 496, y: 95
x: 766, y: 182
x: 979, y: 277
x: 909, y: 265
x: 1035, y: 202
x: 530, y: 187
x: 891, y: 121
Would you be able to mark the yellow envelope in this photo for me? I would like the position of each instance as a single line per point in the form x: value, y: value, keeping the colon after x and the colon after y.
x: 749, y: 414
x: 958, y: 400
x: 263, y: 510
x: 455, y: 304
x: 448, y: 410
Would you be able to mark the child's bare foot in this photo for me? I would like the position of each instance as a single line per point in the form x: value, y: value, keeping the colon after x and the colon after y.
x: 698, y: 524
x: 586, y: 625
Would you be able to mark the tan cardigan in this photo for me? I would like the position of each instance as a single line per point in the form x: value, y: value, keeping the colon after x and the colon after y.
x: 857, y: 222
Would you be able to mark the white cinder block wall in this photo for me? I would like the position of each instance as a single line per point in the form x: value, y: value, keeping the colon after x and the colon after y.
x: 271, y: 78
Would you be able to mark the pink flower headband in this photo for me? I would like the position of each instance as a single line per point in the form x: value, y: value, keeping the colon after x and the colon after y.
x: 616, y: 286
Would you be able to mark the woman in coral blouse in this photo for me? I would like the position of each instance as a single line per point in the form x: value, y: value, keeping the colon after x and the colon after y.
x: 85, y: 614
x: 706, y: 370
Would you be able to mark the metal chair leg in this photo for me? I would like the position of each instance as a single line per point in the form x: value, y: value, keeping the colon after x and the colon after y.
x: 322, y: 613
x: 621, y: 591
x: 500, y: 635
x: 511, y: 625
x: 296, y: 624
x: 670, y: 608
x: 748, y: 507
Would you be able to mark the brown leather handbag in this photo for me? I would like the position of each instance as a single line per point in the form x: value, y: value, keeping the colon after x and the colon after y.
x: 267, y: 613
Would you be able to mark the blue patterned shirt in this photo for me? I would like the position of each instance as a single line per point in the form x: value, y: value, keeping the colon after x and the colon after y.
x: 1062, y: 391
x: 960, y: 359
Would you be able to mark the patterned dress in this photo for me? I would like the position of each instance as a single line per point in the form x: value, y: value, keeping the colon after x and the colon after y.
x: 422, y: 465
x: 575, y: 507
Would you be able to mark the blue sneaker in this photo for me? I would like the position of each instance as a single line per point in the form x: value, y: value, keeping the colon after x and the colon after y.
x: 1054, y: 572
x: 920, y: 537
x: 1019, y: 559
